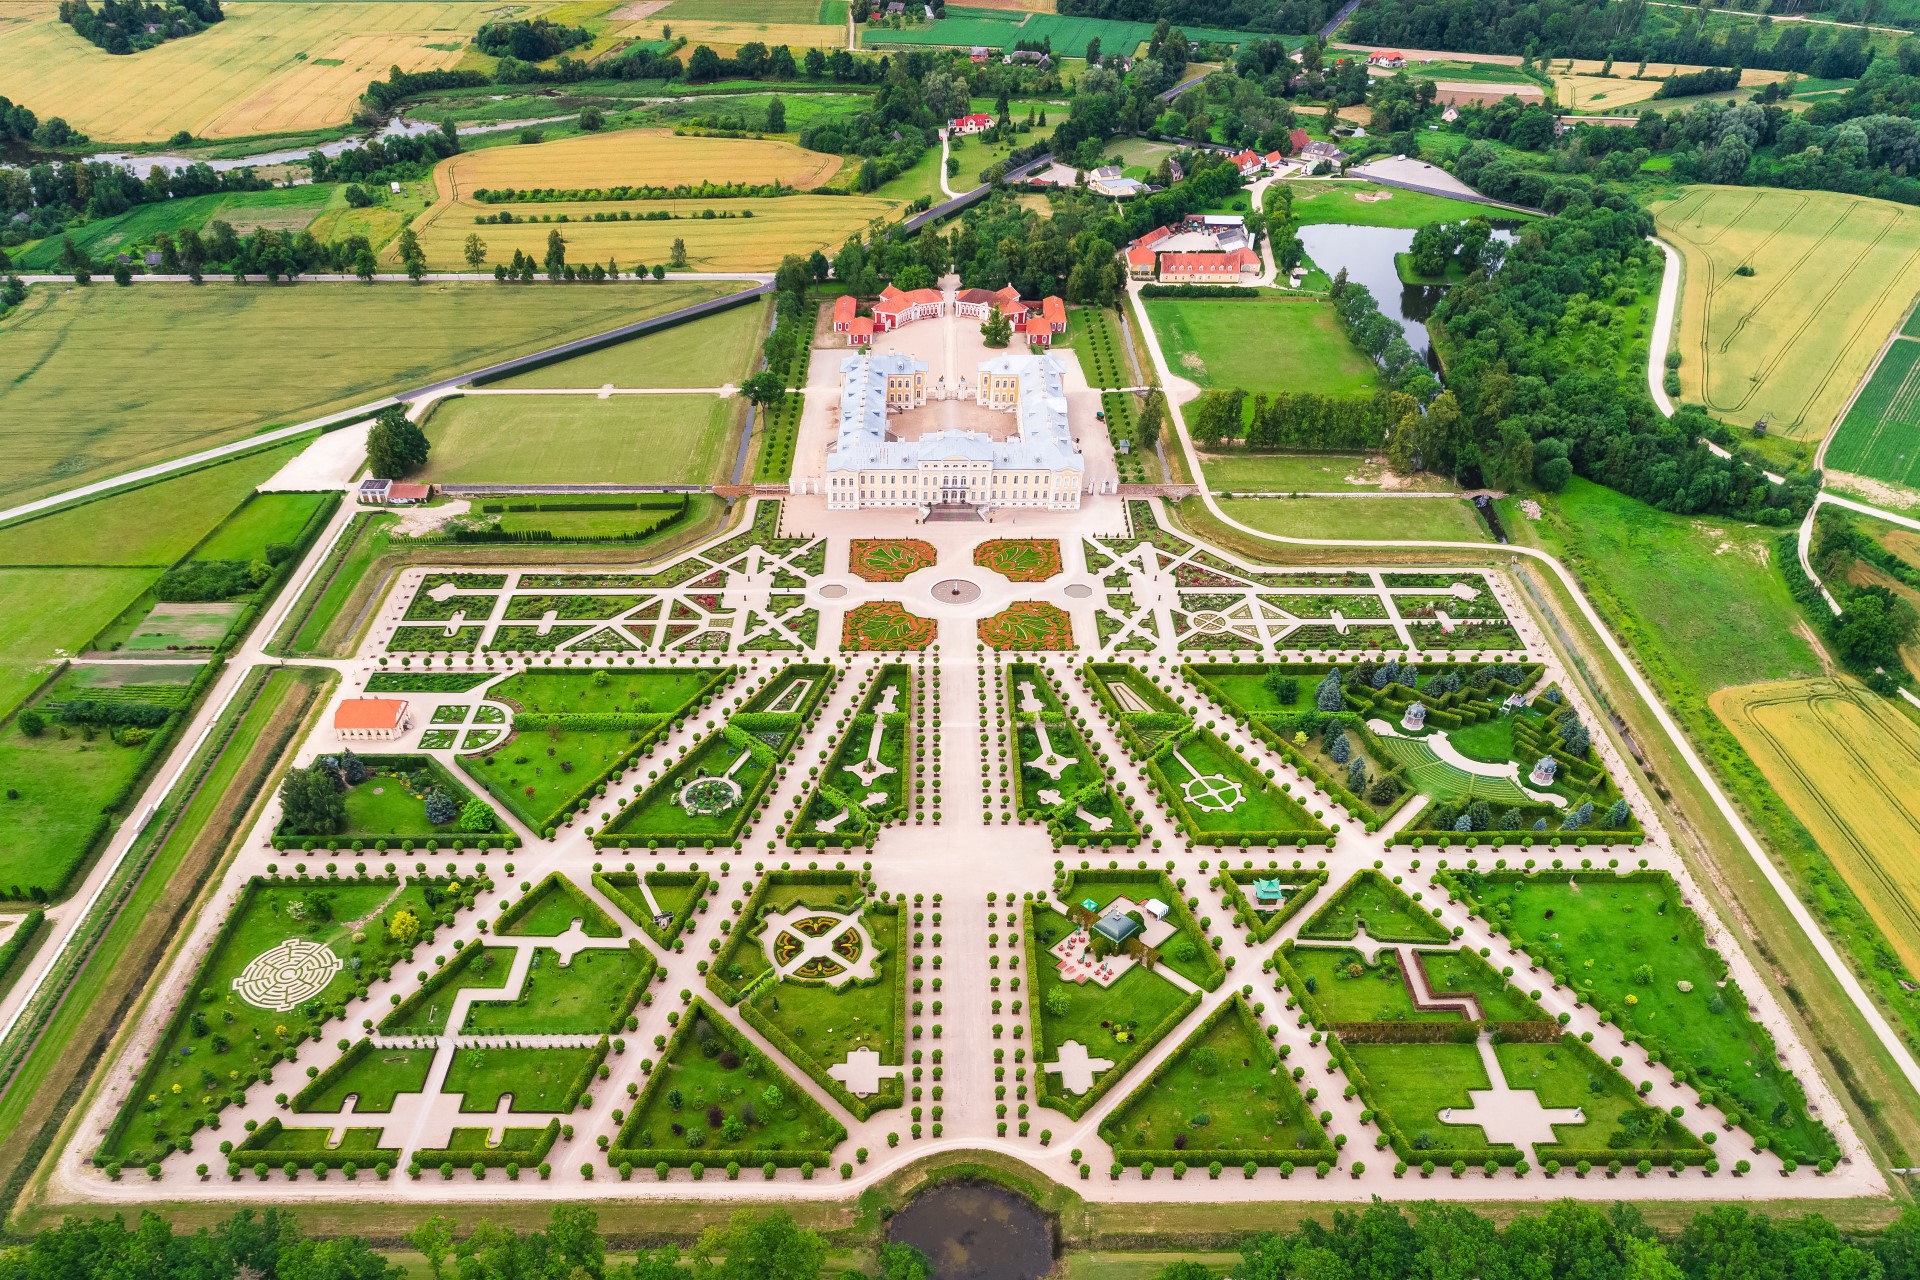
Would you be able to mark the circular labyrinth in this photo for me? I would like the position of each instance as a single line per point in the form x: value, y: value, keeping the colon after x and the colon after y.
x: 1079, y: 591
x: 1209, y: 622
x: 955, y: 591
x: 1212, y: 792
x: 833, y: 591
x: 287, y: 976
x: 709, y: 795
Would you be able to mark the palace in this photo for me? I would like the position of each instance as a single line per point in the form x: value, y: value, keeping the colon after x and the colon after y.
x: 1037, y: 467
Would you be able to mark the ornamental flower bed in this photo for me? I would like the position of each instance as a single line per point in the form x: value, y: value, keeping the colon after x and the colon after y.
x: 1028, y: 624
x: 888, y: 559
x: 1020, y: 559
x: 883, y: 626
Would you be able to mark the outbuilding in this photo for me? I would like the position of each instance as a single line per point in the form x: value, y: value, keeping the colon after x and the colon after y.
x: 370, y: 719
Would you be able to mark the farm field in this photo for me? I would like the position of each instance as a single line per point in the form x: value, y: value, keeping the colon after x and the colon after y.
x: 1003, y: 29
x: 312, y: 349
x: 1832, y: 276
x: 1880, y: 436
x: 1449, y: 519
x: 749, y: 234
x: 268, y: 68
x: 1264, y: 346
x: 667, y: 439
x: 1368, y: 205
x: 1595, y: 94
x: 1848, y: 765
x: 708, y: 351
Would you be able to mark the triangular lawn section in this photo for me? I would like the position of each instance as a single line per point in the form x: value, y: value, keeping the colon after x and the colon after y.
x: 426, y: 1011
x: 675, y: 892
x: 778, y: 1121
x: 550, y: 909
x: 1388, y: 914
x: 1222, y: 1095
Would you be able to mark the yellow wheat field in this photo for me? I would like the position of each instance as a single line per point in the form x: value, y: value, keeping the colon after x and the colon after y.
x: 269, y: 68
x: 1587, y: 90
x: 1848, y: 764
x: 1832, y: 275
x: 633, y: 157
x: 779, y: 226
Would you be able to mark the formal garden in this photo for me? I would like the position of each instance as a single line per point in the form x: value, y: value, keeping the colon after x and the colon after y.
x: 868, y: 781
x: 715, y: 1103
x: 591, y: 992
x: 1633, y: 950
x: 1377, y: 905
x: 1020, y: 559
x: 550, y: 909
x: 884, y: 626
x: 1226, y: 1099
x: 1057, y: 777
x: 659, y: 901
x: 1028, y: 625
x: 290, y: 954
x: 575, y: 731
x: 710, y: 796
x: 356, y: 802
x: 888, y: 559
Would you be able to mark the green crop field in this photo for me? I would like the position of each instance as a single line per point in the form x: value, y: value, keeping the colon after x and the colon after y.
x: 1003, y: 28
x: 1880, y: 436
x: 665, y: 439
x: 1425, y: 519
x: 1832, y: 275
x: 1265, y: 345
x: 311, y: 350
x: 705, y: 352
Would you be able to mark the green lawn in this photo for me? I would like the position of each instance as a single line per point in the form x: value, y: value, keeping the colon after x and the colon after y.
x: 266, y: 519
x: 374, y: 1080
x: 675, y: 892
x: 1608, y: 935
x: 1261, y: 345
x: 1394, y: 519
x: 1376, y: 993
x: 583, y: 997
x: 1389, y: 914
x: 1291, y: 472
x: 710, y: 351
x: 538, y: 1079
x: 556, y: 904
x: 1412, y: 1083
x: 829, y: 1023
x: 481, y: 968
x: 538, y: 770
x: 644, y: 691
x: 658, y: 813
x: 888, y: 793
x: 390, y: 804
x: 1711, y: 602
x: 1220, y: 1098
x: 1315, y: 202
x: 687, y: 1105
x: 1490, y: 741
x: 1564, y: 1077
x: 1465, y: 971
x: 213, y: 1060
x: 1262, y: 804
x: 309, y: 350
x: 662, y: 439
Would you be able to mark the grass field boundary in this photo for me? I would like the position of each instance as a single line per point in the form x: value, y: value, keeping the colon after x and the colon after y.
x: 614, y: 337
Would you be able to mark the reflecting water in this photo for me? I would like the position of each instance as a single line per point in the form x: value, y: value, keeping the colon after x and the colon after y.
x: 974, y: 1232
x: 1367, y: 254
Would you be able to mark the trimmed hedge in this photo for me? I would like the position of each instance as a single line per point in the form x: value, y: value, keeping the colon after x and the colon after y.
x: 491, y: 1158
x: 1264, y: 924
x: 271, y: 1128
x: 746, y: 928
x: 1368, y: 877
x: 592, y: 916
x: 616, y: 884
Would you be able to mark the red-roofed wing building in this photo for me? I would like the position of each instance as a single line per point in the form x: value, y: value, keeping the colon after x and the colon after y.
x: 844, y: 309
x: 1054, y: 311
x: 1037, y: 331
x: 370, y: 719
x: 1141, y: 255
x: 973, y: 304
x: 1008, y: 300
x: 978, y: 122
x: 1207, y: 268
x: 896, y: 307
x: 860, y: 332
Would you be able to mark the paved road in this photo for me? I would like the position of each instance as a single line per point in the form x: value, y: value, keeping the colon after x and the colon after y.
x: 1869, y: 1012
x: 358, y: 413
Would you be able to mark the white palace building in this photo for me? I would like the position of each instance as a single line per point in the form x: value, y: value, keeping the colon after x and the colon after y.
x: 1037, y: 467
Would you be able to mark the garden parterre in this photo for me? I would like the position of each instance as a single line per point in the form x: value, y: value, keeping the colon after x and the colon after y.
x: 889, y: 999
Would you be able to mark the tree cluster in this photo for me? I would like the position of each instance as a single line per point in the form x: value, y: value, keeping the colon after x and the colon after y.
x: 530, y: 40
x: 1874, y: 621
x: 1530, y: 356
x: 126, y: 26
x: 1382, y: 338
x: 54, y: 196
x: 1245, y: 15
x: 388, y: 159
x: 395, y: 444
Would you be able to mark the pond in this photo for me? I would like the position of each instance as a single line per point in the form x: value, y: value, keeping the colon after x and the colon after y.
x: 1367, y: 254
x: 971, y: 1231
